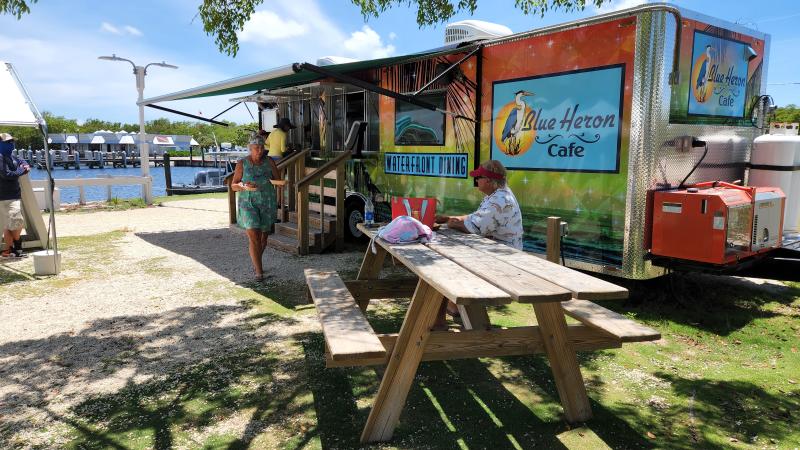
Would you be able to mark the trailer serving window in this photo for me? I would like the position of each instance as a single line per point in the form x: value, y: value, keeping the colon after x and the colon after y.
x: 415, y: 125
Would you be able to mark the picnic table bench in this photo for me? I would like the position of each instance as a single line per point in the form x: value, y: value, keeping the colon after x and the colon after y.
x: 474, y: 273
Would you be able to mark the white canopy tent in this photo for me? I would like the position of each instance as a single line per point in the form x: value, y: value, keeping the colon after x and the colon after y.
x: 17, y: 109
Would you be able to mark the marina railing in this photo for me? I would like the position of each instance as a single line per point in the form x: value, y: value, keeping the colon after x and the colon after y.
x: 81, y: 183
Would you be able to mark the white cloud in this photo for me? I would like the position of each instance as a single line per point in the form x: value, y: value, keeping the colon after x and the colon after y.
x: 268, y: 26
x: 108, y: 28
x: 113, y: 29
x: 83, y: 86
x: 367, y: 44
x: 133, y: 31
x: 392, y: 36
x: 312, y: 34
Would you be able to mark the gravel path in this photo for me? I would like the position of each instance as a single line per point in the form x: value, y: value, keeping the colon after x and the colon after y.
x: 170, y: 289
x: 174, y: 215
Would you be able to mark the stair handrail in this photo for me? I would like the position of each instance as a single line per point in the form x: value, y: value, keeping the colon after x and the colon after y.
x: 289, y: 160
x: 324, y: 169
x: 301, y: 188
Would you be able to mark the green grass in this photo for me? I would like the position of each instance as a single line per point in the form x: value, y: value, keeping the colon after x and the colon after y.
x: 725, y: 375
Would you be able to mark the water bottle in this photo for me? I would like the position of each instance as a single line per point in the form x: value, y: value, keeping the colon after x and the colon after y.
x: 369, y: 214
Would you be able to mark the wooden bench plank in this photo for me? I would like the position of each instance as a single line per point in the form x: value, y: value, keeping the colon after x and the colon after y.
x: 347, y: 333
x: 447, y: 345
x: 522, y: 285
x: 451, y: 280
x: 582, y: 286
x: 594, y: 315
x: 392, y: 288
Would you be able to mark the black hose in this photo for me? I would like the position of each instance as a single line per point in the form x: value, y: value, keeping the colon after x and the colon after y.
x: 705, y: 152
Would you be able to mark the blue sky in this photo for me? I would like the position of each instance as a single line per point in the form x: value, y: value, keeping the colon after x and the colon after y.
x: 55, y: 48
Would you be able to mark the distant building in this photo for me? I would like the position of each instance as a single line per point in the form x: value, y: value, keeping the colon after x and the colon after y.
x: 119, y: 141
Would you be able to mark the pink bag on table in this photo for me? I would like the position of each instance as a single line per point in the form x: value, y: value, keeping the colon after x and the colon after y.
x: 403, y: 230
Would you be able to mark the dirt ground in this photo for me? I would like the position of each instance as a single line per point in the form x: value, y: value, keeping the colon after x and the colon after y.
x: 142, y: 291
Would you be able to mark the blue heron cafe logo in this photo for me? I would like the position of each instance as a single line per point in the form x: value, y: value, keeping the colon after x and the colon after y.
x: 566, y: 122
x: 718, y: 81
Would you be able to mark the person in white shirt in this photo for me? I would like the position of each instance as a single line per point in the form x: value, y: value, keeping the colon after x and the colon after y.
x: 498, y: 217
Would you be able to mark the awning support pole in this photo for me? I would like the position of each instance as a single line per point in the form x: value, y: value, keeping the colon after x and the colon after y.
x: 226, y: 110
x: 373, y: 88
x: 181, y: 113
x: 444, y: 72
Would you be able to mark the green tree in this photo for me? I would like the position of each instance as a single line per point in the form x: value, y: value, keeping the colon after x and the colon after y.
x: 789, y: 113
x: 223, y: 19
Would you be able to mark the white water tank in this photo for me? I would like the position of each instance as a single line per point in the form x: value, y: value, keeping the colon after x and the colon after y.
x: 775, y: 162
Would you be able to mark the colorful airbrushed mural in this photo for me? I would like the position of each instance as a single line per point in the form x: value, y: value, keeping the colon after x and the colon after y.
x: 720, y: 72
x: 554, y: 110
x: 569, y: 153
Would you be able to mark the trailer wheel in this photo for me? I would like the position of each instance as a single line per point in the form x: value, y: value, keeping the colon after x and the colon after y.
x: 354, y: 214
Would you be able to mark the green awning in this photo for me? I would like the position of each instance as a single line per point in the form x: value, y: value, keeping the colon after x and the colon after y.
x: 285, y: 76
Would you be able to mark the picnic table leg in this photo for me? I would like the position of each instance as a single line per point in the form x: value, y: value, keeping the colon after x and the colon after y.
x: 563, y: 361
x: 474, y: 317
x: 370, y: 269
x: 403, y: 364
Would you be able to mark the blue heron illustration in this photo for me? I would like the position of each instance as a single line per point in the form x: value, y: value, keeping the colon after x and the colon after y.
x: 702, y: 76
x: 514, y: 123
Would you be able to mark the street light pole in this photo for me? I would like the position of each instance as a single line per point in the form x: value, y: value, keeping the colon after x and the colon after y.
x: 144, y: 147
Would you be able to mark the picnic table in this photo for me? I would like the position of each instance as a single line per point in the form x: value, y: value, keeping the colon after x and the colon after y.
x: 475, y: 273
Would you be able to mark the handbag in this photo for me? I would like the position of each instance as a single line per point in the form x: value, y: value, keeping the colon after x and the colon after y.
x: 420, y: 208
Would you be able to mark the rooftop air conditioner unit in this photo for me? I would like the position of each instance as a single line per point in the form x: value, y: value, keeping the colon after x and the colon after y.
x: 473, y: 30
x: 331, y: 60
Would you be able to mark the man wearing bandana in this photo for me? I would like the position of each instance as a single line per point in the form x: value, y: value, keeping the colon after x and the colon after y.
x: 11, y: 168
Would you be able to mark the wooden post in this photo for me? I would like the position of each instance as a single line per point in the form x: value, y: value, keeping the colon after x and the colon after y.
x: 339, y: 207
x: 554, y: 239
x: 167, y: 174
x: 109, y: 193
x: 291, y: 173
x: 231, y: 202
x: 81, y: 195
x: 302, y: 220
x: 559, y: 349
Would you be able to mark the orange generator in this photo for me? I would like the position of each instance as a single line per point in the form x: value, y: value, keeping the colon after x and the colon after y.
x: 716, y: 222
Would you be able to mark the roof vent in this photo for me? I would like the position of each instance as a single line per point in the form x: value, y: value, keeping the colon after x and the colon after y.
x: 473, y: 30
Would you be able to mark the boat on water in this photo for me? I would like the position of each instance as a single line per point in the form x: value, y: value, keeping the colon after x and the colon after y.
x: 210, y: 180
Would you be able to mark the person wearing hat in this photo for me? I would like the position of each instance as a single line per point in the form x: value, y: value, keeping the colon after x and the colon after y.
x: 276, y: 142
x: 498, y: 217
x: 11, y: 168
x: 257, y: 203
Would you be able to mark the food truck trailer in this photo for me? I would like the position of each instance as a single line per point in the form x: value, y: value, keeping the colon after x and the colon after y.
x: 593, y: 120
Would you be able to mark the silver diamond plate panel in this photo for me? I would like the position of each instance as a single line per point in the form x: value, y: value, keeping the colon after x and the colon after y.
x: 653, y: 161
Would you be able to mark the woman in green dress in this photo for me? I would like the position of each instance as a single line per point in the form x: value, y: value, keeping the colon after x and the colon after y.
x: 257, y: 202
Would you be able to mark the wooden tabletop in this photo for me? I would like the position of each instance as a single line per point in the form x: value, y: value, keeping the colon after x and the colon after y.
x: 471, y: 269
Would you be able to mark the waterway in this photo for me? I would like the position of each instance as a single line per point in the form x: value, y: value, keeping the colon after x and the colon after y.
x: 180, y: 175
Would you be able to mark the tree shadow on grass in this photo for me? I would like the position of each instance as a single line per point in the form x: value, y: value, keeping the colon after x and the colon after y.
x: 717, y: 304
x: 452, y: 403
x: 720, y: 410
